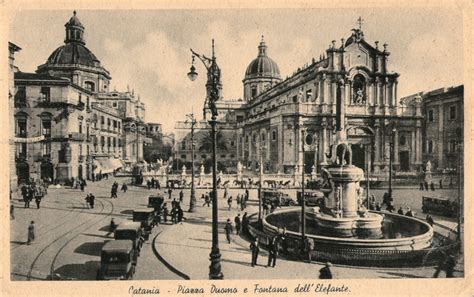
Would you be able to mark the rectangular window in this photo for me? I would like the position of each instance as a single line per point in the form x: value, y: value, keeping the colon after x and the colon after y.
x: 452, y: 112
x: 46, y: 128
x: 183, y: 157
x: 254, y: 92
x: 45, y: 94
x: 309, y: 95
x: 80, y: 150
x: 80, y: 127
x: 118, y: 123
x: 114, y: 104
x: 240, y: 118
x: 21, y: 128
x: 295, y: 98
x: 88, y: 102
x: 102, y: 141
x: 274, y: 135
x: 80, y: 98
x: 46, y: 148
x: 20, y: 96
x: 223, y: 156
x: 115, y: 125
x: 21, y: 150
x: 430, y: 115
x: 232, y: 143
x: 203, y: 156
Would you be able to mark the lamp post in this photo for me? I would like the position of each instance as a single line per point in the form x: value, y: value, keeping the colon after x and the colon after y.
x: 392, y: 143
x: 303, y: 210
x: 260, y: 186
x: 213, y: 79
x: 459, y: 134
x: 192, y: 202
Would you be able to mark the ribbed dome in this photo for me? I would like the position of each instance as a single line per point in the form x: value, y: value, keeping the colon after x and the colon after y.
x: 74, y: 21
x: 73, y: 53
x: 262, y: 66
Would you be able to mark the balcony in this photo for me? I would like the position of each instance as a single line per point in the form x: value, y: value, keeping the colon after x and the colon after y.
x: 77, y: 136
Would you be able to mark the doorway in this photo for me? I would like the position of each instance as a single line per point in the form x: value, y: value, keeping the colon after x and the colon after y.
x: 404, y: 161
x: 358, y: 156
x: 23, y: 172
x: 47, y: 171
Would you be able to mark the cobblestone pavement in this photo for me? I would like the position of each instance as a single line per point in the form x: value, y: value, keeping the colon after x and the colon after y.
x: 70, y: 236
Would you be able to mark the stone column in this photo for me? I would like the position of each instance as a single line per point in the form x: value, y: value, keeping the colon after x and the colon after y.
x: 396, y: 162
x: 320, y: 91
x: 440, y: 142
x: 418, y: 145
x: 281, y: 144
x: 250, y: 147
x: 413, y: 150
x: 323, y: 145
x: 334, y: 95
x: 377, y: 148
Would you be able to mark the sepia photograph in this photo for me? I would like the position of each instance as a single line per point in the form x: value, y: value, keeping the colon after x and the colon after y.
x: 235, y: 144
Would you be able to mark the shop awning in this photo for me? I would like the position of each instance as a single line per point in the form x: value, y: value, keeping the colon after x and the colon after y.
x: 106, y: 165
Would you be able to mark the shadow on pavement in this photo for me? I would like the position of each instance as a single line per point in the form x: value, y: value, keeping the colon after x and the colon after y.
x: 100, y: 236
x: 18, y: 242
x: 86, y: 271
x: 404, y: 275
x: 127, y: 212
x: 90, y: 248
x: 240, y: 262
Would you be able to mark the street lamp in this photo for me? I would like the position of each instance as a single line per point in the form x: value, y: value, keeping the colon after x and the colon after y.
x: 392, y: 143
x: 192, y: 202
x: 213, y: 79
x: 303, y: 210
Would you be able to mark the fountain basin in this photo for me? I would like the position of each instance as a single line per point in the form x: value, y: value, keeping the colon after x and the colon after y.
x: 363, y: 227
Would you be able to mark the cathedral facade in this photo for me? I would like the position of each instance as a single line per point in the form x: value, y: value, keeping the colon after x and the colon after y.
x: 352, y: 74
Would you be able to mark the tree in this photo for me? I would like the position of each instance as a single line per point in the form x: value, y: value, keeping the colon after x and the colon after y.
x: 206, y: 142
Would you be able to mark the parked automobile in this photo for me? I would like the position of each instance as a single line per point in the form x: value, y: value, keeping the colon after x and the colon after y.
x: 446, y: 206
x: 132, y: 231
x: 147, y: 218
x: 311, y: 197
x: 118, y: 259
x: 277, y: 197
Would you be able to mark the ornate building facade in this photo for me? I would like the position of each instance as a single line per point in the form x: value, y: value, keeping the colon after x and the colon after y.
x: 67, y: 122
x: 353, y: 73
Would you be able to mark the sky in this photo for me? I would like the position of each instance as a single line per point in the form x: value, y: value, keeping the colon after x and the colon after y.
x: 148, y: 50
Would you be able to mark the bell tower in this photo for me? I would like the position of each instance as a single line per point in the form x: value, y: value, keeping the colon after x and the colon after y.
x: 74, y: 30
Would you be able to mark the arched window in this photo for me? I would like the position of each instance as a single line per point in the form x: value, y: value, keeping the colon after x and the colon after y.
x: 359, y: 95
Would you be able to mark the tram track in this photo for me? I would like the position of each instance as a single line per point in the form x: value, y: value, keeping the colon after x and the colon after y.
x: 87, y: 224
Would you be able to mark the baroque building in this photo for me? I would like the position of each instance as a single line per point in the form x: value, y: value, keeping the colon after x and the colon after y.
x: 443, y: 125
x: 67, y: 122
x: 355, y: 75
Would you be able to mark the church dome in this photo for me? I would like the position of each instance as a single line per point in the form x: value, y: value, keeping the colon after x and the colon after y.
x: 262, y: 66
x: 73, y: 53
x: 74, y: 50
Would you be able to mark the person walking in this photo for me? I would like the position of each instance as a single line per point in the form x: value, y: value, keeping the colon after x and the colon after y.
x: 228, y: 230
x: 124, y: 187
x: 169, y: 193
x: 181, y: 196
x: 31, y: 233
x: 441, y: 184
x: 180, y: 214
x: 238, y: 224
x: 207, y: 200
x: 245, y: 224
x: 12, y: 212
x: 422, y: 186
x: 174, y: 214
x: 82, y: 185
x: 229, y: 202
x: 238, y: 200
x: 255, y: 248
x: 272, y: 252
x: 432, y: 186
x: 325, y: 272
x: 112, y: 227
x: 113, y: 192
x: 242, y: 204
x: 91, y: 200
x: 426, y: 186
x: 308, y: 248
x: 38, y: 201
x: 429, y: 220
x: 165, y: 213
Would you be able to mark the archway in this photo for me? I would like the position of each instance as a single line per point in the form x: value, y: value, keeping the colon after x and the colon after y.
x: 23, y: 172
x: 47, y: 171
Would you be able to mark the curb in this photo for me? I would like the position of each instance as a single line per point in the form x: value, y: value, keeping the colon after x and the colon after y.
x: 168, y: 265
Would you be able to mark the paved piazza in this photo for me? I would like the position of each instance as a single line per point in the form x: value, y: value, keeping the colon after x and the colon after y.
x: 69, y: 237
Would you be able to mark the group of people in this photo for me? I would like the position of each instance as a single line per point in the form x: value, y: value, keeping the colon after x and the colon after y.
x: 90, y: 200
x: 408, y: 213
x: 153, y: 184
x: 113, y: 191
x: 424, y: 185
x: 79, y: 183
x: 33, y: 191
x: 241, y: 226
x: 176, y: 213
x: 241, y: 200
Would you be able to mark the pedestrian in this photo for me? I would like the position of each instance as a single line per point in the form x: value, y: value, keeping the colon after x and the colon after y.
x: 400, y: 211
x: 245, y: 224
x: 422, y: 186
x: 124, y: 187
x: 180, y: 214
x: 207, y: 200
x: 243, y: 204
x: 169, y: 193
x: 246, y: 195
x: 409, y: 213
x: 165, y: 213
x: 432, y: 186
x: 112, y: 227
x: 447, y: 264
x: 255, y: 248
x: 38, y: 201
x: 426, y: 186
x: 31, y: 232
x: 228, y: 230
x: 325, y: 272
x: 429, y: 220
x: 225, y: 193
x: 238, y: 224
x: 441, y: 184
x: 238, y: 201
x: 12, y: 212
x: 113, y: 192
x: 265, y: 208
x: 91, y: 200
x: 174, y: 214
x: 82, y: 185
x: 229, y: 202
x: 378, y: 206
x: 181, y: 196
x: 148, y: 184
x: 284, y: 241
x: 308, y: 247
x: 272, y: 251
x: 158, y: 186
